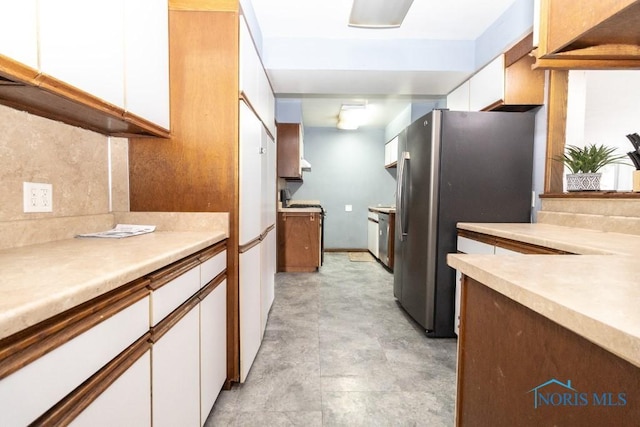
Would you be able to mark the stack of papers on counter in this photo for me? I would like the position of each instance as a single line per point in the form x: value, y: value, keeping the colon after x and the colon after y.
x: 122, y: 230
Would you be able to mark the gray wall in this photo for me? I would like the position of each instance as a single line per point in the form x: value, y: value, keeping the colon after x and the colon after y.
x: 347, y: 169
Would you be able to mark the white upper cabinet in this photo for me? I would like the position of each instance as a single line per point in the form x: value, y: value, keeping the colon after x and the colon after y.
x: 250, y: 175
x: 249, y: 64
x: 146, y: 49
x: 391, y: 153
x: 268, y: 192
x: 487, y: 85
x: 18, y: 31
x: 266, y: 102
x: 254, y: 83
x: 458, y: 100
x: 82, y: 44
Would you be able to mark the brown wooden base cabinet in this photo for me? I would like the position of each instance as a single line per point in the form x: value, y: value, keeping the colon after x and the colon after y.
x: 518, y: 368
x: 299, y: 241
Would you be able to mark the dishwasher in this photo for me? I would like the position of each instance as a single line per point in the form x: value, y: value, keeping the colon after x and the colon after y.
x: 383, y: 240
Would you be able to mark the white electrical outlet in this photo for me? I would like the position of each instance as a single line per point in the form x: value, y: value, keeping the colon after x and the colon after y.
x: 348, y: 208
x: 37, y: 197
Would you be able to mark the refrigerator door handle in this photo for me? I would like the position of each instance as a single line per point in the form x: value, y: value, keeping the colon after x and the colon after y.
x: 404, y: 218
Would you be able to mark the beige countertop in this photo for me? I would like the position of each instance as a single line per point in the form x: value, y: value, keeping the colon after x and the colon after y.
x: 596, y: 295
x: 308, y: 210
x: 382, y: 209
x: 41, y: 280
x: 568, y: 239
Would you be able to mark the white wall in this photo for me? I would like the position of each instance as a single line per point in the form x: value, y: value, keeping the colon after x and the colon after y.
x: 603, y: 107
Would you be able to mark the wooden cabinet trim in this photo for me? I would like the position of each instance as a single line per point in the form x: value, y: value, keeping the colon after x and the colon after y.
x: 170, y: 321
x: 558, y: 92
x: 251, y: 244
x: 77, y: 401
x: 248, y: 103
x: 214, y: 250
x: 514, y: 245
x: 205, y: 5
x: 602, y: 36
x: 212, y: 285
x: 27, y: 89
x: 22, y: 348
x: 167, y: 274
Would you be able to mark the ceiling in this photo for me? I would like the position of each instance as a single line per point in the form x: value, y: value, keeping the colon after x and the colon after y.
x: 311, y: 54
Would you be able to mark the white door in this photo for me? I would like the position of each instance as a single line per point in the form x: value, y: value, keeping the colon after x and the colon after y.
x: 127, y: 402
x: 250, y: 308
x: 213, y: 347
x: 267, y: 281
x: 18, y: 31
x: 250, y: 175
x: 175, y: 373
x: 82, y: 43
x: 147, y: 60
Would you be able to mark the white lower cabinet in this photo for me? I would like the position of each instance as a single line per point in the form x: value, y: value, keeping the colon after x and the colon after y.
x: 213, y: 347
x: 372, y: 234
x: 175, y: 374
x: 31, y: 391
x: 127, y: 402
x: 250, y: 308
x: 267, y: 282
x: 110, y: 362
x: 470, y: 246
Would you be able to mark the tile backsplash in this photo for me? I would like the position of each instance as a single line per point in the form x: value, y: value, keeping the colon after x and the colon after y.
x: 88, y: 171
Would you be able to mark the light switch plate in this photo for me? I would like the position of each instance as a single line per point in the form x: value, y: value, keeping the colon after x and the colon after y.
x: 348, y: 208
x: 37, y: 197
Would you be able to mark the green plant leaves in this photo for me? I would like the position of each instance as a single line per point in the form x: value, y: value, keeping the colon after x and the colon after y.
x: 589, y: 159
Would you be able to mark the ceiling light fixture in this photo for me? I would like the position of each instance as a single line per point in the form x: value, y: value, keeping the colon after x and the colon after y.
x: 378, y: 13
x: 351, y: 116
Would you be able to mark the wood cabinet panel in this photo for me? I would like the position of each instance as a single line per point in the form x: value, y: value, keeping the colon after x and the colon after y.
x: 298, y: 241
x: 289, y: 151
x: 497, y: 387
x: 524, y: 86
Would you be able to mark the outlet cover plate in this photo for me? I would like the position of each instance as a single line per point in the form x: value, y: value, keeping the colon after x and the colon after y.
x: 37, y: 197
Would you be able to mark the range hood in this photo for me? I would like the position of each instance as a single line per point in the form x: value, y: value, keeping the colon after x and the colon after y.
x: 305, y: 165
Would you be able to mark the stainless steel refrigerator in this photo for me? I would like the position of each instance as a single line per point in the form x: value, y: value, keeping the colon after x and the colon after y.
x: 454, y: 166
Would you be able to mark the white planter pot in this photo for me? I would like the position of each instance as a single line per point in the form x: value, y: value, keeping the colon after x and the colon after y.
x: 583, y: 181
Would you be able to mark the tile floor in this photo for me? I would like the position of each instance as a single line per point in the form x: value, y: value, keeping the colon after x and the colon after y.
x: 339, y: 351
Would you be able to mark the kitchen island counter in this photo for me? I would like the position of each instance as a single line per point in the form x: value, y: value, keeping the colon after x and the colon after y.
x: 565, y: 320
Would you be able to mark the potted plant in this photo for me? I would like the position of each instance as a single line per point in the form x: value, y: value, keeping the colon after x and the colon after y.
x: 584, y: 164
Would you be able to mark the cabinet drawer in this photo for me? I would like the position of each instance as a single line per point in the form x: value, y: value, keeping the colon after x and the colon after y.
x: 30, y: 391
x: 210, y: 268
x: 170, y: 295
x: 469, y: 246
